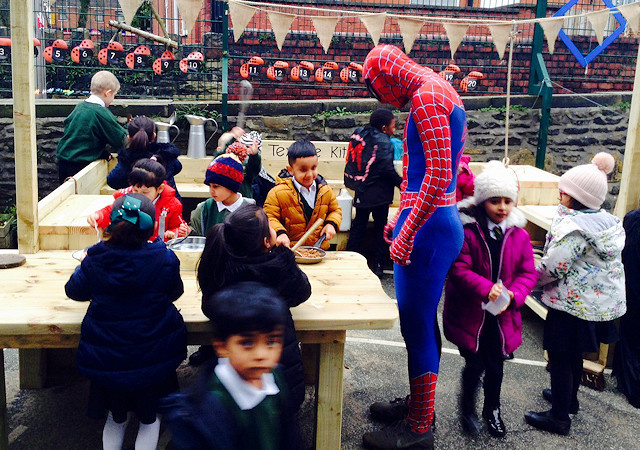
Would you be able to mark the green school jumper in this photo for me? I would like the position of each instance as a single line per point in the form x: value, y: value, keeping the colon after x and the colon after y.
x: 87, y: 130
x: 206, y: 215
x: 258, y: 428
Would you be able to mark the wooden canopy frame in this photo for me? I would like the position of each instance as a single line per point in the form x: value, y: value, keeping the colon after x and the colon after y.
x: 23, y: 76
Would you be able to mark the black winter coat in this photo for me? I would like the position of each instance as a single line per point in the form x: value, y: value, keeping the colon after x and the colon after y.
x: 118, y: 177
x: 278, y: 270
x: 383, y: 177
x: 132, y: 335
x: 626, y: 363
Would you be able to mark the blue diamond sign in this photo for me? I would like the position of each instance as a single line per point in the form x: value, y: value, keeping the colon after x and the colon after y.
x: 586, y: 59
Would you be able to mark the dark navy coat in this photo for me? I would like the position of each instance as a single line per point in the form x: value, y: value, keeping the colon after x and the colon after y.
x: 132, y: 335
x: 118, y: 178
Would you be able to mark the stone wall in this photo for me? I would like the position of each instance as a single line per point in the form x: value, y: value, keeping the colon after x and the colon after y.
x: 575, y: 135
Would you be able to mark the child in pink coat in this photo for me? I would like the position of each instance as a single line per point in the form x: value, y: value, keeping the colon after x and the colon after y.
x: 495, y: 269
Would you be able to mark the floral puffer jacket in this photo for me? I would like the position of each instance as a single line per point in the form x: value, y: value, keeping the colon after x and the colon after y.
x: 581, y: 271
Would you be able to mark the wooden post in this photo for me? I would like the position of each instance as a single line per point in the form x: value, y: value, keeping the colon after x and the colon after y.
x: 24, y: 120
x: 329, y: 392
x: 629, y: 189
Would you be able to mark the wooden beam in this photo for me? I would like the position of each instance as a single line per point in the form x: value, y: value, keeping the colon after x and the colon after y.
x: 24, y: 120
x: 630, y: 189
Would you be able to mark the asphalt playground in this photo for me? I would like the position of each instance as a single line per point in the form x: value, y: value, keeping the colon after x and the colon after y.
x: 375, y: 369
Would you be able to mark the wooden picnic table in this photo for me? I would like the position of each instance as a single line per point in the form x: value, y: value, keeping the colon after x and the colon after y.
x: 35, y: 313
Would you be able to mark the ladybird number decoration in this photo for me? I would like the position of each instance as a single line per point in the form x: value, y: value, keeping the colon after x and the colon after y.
x: 56, y: 52
x: 303, y: 71
x: 251, y: 69
x: 139, y: 58
x: 5, y: 49
x: 112, y: 54
x: 352, y: 73
x: 449, y: 72
x: 278, y: 71
x: 165, y: 63
x: 83, y: 52
x: 327, y: 72
x: 192, y: 63
x: 471, y: 82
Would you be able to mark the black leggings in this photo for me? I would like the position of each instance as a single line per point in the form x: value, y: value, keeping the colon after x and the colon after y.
x: 489, y: 360
x: 566, y: 373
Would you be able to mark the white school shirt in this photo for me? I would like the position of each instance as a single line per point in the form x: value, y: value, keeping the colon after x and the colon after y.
x: 246, y: 395
x: 308, y: 194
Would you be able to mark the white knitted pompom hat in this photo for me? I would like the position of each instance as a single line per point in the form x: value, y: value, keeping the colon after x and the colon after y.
x: 588, y: 183
x: 495, y: 180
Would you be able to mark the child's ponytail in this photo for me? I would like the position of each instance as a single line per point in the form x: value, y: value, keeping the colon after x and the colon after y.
x: 241, y: 235
x: 141, y: 133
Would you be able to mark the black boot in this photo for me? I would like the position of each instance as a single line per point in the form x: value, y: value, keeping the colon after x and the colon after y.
x: 495, y: 425
x: 470, y: 423
x: 548, y: 396
x: 391, y: 411
x: 398, y: 435
x: 545, y: 421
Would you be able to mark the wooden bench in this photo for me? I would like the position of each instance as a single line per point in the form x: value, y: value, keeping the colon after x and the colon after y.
x: 35, y: 314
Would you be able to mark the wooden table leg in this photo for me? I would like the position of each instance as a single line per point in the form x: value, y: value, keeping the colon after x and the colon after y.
x: 4, y: 426
x: 329, y: 392
x: 33, y: 367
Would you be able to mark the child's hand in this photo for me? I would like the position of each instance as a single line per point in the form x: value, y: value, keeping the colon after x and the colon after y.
x: 183, y: 230
x: 283, y: 239
x: 92, y: 219
x: 329, y: 231
x: 168, y: 235
x: 505, y: 308
x: 237, y: 132
x: 495, y: 292
x: 388, y: 233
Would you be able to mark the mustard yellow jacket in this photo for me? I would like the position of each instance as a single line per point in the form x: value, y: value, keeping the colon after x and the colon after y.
x: 286, y: 213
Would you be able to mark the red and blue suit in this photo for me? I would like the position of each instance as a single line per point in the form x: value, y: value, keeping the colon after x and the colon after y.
x: 426, y: 235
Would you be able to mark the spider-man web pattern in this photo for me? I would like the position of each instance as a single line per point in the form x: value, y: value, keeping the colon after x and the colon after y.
x: 429, y: 234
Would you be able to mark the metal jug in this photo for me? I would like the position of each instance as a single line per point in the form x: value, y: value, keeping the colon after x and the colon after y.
x: 197, y: 145
x: 163, y: 135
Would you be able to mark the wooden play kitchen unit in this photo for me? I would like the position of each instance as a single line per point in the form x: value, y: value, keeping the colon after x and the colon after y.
x: 35, y: 314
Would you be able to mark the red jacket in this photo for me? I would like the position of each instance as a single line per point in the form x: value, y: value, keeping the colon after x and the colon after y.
x: 166, y: 201
x: 469, y: 283
x: 465, y: 179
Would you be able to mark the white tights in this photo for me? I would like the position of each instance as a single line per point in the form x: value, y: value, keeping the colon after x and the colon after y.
x: 113, y: 434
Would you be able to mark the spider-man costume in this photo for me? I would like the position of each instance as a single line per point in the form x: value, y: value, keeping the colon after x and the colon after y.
x: 427, y: 232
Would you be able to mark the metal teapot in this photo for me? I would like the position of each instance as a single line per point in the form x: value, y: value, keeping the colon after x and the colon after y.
x: 197, y: 144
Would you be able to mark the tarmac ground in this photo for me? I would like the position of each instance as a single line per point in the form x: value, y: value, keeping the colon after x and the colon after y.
x: 375, y: 369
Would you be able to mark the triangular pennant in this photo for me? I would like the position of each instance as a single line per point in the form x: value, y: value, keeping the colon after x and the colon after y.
x: 455, y: 33
x: 374, y: 24
x: 631, y: 12
x: 409, y: 29
x: 240, y: 17
x: 551, y: 29
x: 280, y: 24
x: 129, y: 8
x: 599, y: 22
x: 325, y: 26
x: 189, y: 11
x: 500, y: 35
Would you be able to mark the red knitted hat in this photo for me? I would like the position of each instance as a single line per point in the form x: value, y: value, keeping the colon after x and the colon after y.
x: 225, y: 170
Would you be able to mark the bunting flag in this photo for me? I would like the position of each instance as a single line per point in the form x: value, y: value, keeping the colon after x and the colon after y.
x: 241, y: 15
x: 455, y: 33
x: 325, y: 27
x: 551, y: 29
x: 599, y: 23
x: 374, y: 24
x: 189, y: 11
x: 500, y: 35
x: 632, y: 14
x: 409, y: 29
x: 280, y: 24
x: 129, y: 9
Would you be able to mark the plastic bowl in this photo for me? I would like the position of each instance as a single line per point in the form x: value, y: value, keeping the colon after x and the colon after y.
x: 188, y: 250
